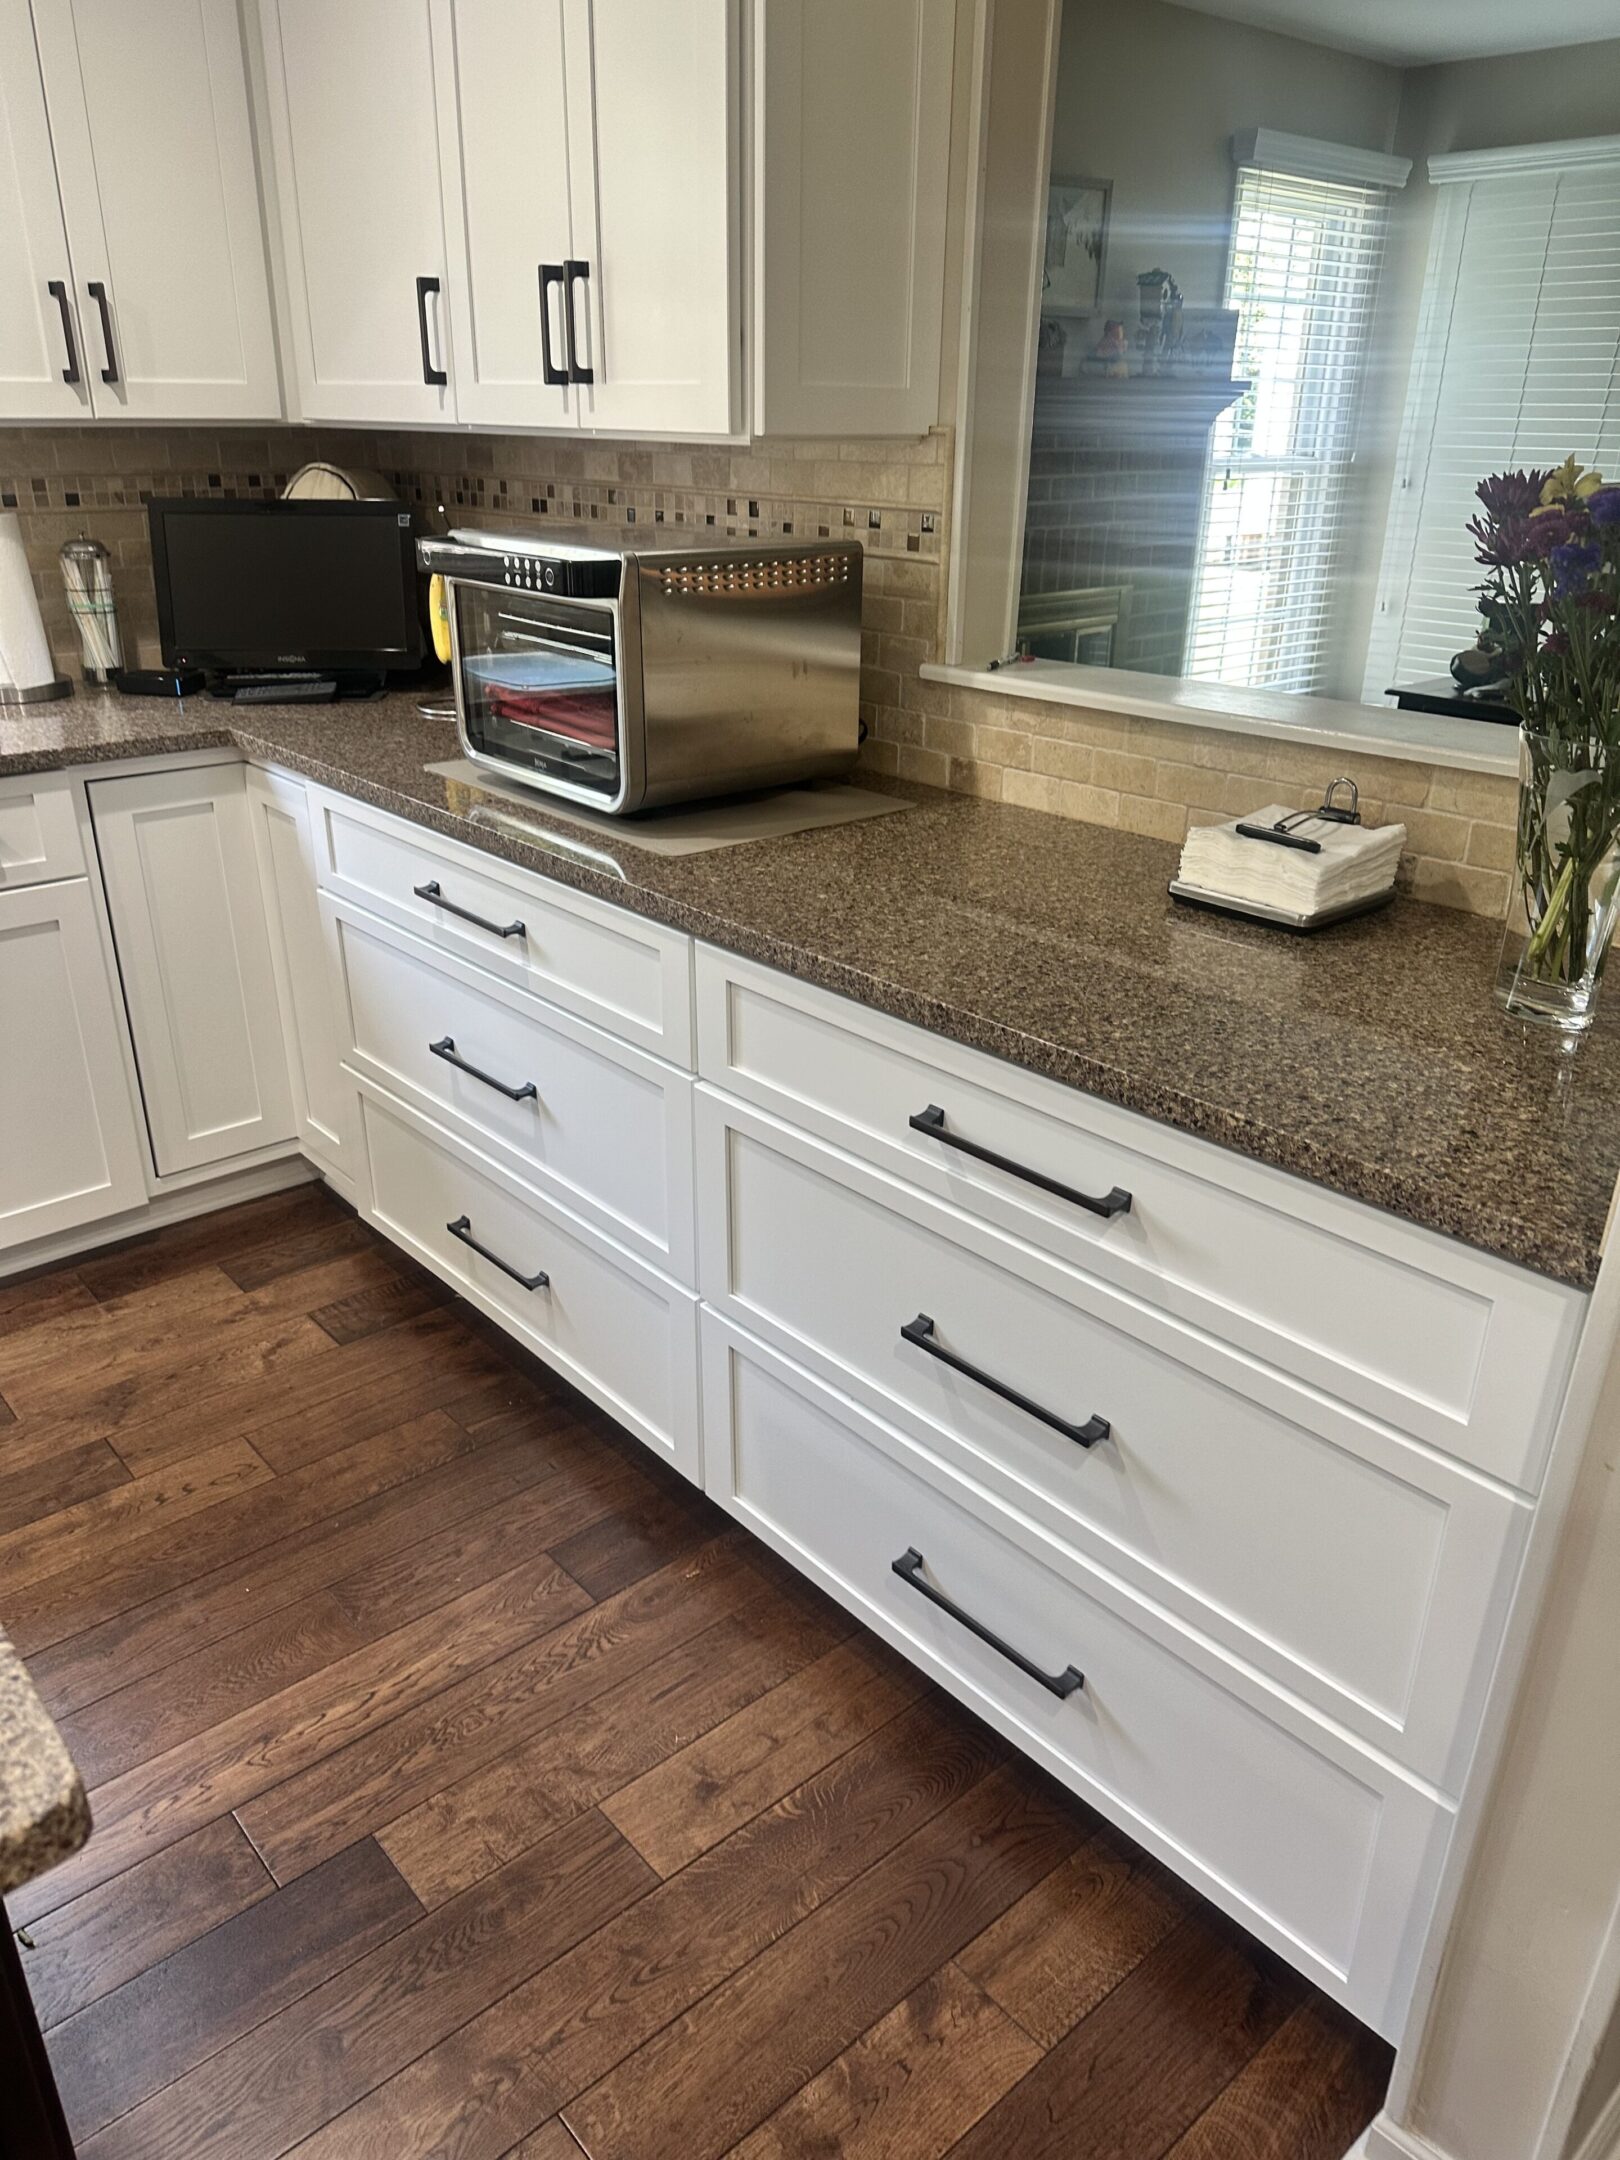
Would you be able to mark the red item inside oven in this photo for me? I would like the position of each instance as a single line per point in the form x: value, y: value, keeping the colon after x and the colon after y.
x: 587, y: 717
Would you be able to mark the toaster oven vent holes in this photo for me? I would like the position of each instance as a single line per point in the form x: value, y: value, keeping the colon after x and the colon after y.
x: 807, y: 573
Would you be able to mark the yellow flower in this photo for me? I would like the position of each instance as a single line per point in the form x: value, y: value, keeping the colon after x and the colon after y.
x: 1568, y: 484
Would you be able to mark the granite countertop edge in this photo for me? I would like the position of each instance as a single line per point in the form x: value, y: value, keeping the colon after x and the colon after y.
x: 1431, y: 1199
x: 44, y: 1810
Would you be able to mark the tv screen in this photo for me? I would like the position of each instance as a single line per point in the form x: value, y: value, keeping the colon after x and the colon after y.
x: 247, y: 585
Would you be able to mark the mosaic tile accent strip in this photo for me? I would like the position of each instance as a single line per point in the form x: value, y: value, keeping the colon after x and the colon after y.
x: 1141, y: 776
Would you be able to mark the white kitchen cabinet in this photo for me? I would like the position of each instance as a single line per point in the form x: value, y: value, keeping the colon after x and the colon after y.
x: 69, y: 1148
x: 536, y: 216
x: 508, y: 221
x: 653, y: 305
x: 592, y: 252
x: 153, y: 145
x: 42, y: 375
x: 853, y: 114
x: 324, y: 1102
x: 351, y: 94
x: 188, y: 921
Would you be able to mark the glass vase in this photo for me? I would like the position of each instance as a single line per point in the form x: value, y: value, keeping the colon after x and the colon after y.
x: 1568, y: 880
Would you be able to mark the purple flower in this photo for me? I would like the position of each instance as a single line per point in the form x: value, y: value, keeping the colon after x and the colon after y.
x: 1553, y: 529
x: 1512, y: 495
x: 1572, y: 564
x: 1514, y: 540
x: 1603, y: 507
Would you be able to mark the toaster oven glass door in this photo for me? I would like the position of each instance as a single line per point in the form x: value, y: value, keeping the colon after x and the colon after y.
x: 539, y: 683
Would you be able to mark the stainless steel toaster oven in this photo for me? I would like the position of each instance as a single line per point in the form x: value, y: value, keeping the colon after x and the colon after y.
x: 626, y: 675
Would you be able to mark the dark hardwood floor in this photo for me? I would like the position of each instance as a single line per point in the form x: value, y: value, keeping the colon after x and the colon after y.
x: 467, y: 1785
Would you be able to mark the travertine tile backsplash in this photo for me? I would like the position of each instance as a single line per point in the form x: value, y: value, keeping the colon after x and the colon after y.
x: 1145, y: 776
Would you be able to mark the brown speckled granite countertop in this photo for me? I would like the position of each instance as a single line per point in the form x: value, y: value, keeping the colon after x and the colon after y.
x: 1371, y: 1057
x: 44, y: 1816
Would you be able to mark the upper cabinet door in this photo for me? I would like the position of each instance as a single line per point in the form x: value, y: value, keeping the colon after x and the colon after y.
x: 355, y: 130
x: 653, y: 298
x: 507, y: 219
x: 42, y: 372
x: 853, y: 112
x: 149, y: 117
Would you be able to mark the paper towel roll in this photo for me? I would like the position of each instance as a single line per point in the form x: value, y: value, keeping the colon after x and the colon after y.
x: 25, y: 656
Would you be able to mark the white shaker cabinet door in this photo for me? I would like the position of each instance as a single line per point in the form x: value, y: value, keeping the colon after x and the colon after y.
x: 653, y: 296
x: 69, y: 1147
x: 507, y: 215
x: 853, y: 112
x: 154, y: 151
x: 188, y: 920
x: 42, y: 371
x: 354, y: 124
x: 324, y: 1101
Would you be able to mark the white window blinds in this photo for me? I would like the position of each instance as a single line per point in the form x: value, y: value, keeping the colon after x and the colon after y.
x: 1516, y: 364
x: 1303, y: 277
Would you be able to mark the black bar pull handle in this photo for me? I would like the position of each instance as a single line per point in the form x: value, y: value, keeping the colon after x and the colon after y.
x: 551, y: 278
x: 574, y: 273
x: 462, y: 1228
x: 430, y: 374
x: 909, y: 1568
x: 433, y: 893
x: 920, y: 1332
x: 932, y: 1122
x: 445, y: 1048
x: 59, y: 293
x: 98, y: 293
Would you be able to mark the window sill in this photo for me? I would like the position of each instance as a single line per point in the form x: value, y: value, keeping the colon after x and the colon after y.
x: 1370, y: 730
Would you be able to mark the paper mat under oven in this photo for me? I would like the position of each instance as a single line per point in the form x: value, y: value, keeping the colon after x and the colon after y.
x: 690, y: 828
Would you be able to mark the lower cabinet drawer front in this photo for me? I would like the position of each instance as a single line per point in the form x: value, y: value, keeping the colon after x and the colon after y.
x: 609, y: 1324
x: 630, y: 976
x: 1370, y: 1576
x: 603, y: 1129
x: 1329, y: 1855
x: 1463, y: 1350
x: 39, y: 832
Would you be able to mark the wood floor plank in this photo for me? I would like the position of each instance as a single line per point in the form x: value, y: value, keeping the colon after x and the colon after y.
x: 480, y: 1822
x: 26, y: 1300
x: 151, y: 1716
x: 909, y: 2087
x: 701, y: 1793
x: 392, y: 1767
x: 302, y: 1246
x: 712, y: 2075
x: 519, y: 2062
x: 327, y: 1402
x: 552, y: 2141
x: 426, y: 1477
x: 242, y: 1345
x: 1052, y: 1958
x: 67, y: 1477
x: 366, y: 1312
x: 278, y: 2084
x: 1129, y: 2079
x: 175, y: 2015
x: 88, y: 1341
x: 70, y: 1601
x: 85, y: 1949
x: 234, y: 1762
x: 619, y: 1551
x: 206, y: 1240
x: 1307, y: 2095
x: 89, y: 1534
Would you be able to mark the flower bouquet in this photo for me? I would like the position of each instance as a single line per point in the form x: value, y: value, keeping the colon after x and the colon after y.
x: 1550, y: 542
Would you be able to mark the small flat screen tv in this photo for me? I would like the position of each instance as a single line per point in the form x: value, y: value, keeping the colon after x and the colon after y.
x: 258, y: 587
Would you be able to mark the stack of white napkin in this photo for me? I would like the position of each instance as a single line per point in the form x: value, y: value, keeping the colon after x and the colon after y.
x: 1355, y: 862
